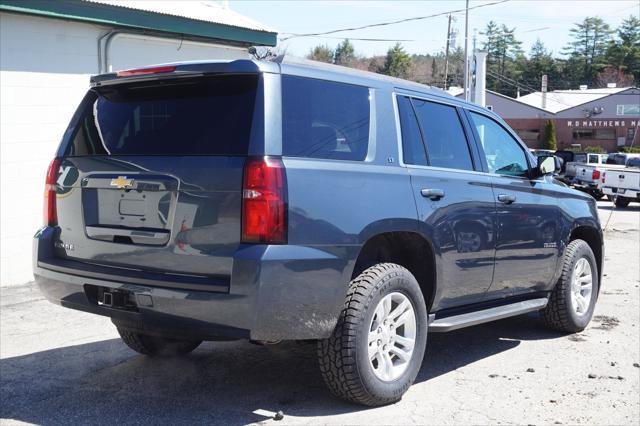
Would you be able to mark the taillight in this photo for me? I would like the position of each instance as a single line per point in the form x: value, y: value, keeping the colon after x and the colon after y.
x: 603, y: 175
x: 151, y: 70
x: 595, y: 175
x: 50, y: 216
x: 264, y: 207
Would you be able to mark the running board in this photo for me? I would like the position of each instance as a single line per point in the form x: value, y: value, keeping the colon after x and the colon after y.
x: 455, y: 322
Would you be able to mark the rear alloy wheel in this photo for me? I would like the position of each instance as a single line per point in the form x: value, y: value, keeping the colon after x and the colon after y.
x: 376, y: 349
x: 392, y: 336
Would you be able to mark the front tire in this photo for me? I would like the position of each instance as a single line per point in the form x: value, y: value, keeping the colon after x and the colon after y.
x: 146, y: 344
x: 377, y: 347
x: 573, y: 299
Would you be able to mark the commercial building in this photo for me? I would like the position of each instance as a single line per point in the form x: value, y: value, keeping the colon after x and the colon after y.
x: 605, y: 117
x: 48, y: 50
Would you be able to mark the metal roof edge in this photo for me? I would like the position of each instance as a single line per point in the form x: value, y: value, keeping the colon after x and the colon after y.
x: 104, y: 14
x: 520, y: 102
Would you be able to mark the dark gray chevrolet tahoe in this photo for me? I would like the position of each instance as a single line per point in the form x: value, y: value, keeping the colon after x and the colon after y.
x: 279, y: 200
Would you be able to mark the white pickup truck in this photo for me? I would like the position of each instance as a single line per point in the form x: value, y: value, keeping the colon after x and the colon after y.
x: 623, y: 185
x: 589, y: 177
x: 586, y: 175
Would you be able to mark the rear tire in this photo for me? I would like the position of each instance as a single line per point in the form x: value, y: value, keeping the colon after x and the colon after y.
x: 157, y: 346
x: 573, y: 299
x: 622, y: 202
x: 376, y: 349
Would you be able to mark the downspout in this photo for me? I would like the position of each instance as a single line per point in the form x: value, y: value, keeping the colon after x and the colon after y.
x: 104, y: 43
x: 107, y: 45
x: 100, y: 53
x: 105, y: 40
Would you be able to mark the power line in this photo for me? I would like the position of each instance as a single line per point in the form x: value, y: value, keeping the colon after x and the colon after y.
x: 368, y: 39
x: 517, y: 85
x: 383, y: 24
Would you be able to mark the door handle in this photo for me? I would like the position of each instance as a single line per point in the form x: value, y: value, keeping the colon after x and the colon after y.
x: 506, y: 198
x: 433, y: 194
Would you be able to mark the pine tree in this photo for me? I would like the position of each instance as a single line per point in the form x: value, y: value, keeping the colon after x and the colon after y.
x: 591, y: 39
x: 504, y: 57
x: 397, y: 63
x: 321, y: 53
x: 624, y: 53
x: 344, y: 54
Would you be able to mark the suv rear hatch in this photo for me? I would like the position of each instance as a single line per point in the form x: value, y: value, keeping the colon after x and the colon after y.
x: 150, y: 178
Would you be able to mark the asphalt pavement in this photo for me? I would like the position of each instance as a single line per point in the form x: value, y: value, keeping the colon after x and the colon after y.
x: 59, y: 366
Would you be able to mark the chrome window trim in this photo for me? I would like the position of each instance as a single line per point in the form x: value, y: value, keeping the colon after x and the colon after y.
x: 399, y: 137
x: 401, y: 162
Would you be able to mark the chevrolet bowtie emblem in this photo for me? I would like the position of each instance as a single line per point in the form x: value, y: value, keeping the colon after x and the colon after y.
x: 122, y: 182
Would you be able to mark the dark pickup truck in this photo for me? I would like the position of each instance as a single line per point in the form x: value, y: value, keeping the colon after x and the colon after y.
x: 289, y: 200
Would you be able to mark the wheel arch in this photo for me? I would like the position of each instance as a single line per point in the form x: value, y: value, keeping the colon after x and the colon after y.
x: 593, y: 237
x: 406, y: 248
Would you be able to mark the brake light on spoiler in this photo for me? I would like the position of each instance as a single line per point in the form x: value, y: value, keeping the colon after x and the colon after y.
x: 142, y: 71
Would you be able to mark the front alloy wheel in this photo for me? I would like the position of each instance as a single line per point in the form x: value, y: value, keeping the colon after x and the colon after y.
x: 581, y: 287
x: 573, y: 299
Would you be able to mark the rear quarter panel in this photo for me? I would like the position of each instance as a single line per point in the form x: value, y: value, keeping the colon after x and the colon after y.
x: 335, y: 206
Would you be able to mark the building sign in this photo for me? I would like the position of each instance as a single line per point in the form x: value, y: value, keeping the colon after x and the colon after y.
x: 603, y: 123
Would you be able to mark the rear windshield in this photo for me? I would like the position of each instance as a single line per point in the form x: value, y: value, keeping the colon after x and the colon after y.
x: 324, y: 119
x: 205, y: 116
x: 580, y: 158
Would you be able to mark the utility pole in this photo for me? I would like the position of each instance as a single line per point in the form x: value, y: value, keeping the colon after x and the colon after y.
x: 481, y: 78
x: 544, y: 91
x: 446, y: 54
x: 466, y: 51
x: 472, y: 70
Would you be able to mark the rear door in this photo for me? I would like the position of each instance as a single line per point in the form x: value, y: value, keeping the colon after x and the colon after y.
x: 528, y: 216
x: 152, y: 173
x: 454, y: 202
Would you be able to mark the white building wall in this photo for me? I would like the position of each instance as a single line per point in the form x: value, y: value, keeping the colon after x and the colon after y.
x: 45, y: 66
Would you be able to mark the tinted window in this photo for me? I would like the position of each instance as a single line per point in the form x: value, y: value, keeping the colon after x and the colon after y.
x: 323, y: 119
x: 504, y: 155
x: 443, y: 135
x: 211, y: 116
x: 412, y: 147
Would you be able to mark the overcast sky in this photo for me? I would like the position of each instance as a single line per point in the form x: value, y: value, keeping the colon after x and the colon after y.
x: 549, y: 20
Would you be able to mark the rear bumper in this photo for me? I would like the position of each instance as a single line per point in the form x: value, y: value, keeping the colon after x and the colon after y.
x: 627, y: 193
x: 275, y: 292
x: 585, y: 186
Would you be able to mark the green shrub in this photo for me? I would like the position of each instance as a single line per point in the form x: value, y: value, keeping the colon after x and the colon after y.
x: 631, y: 149
x: 549, y: 140
x: 595, y: 149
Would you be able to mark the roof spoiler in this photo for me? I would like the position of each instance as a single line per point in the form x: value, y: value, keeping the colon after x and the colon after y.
x: 184, y: 69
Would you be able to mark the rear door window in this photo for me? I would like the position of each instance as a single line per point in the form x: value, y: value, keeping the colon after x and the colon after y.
x: 412, y: 147
x: 204, y: 116
x: 443, y: 135
x: 324, y: 119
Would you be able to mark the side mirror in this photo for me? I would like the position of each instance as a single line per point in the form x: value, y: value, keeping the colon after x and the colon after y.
x: 548, y: 165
